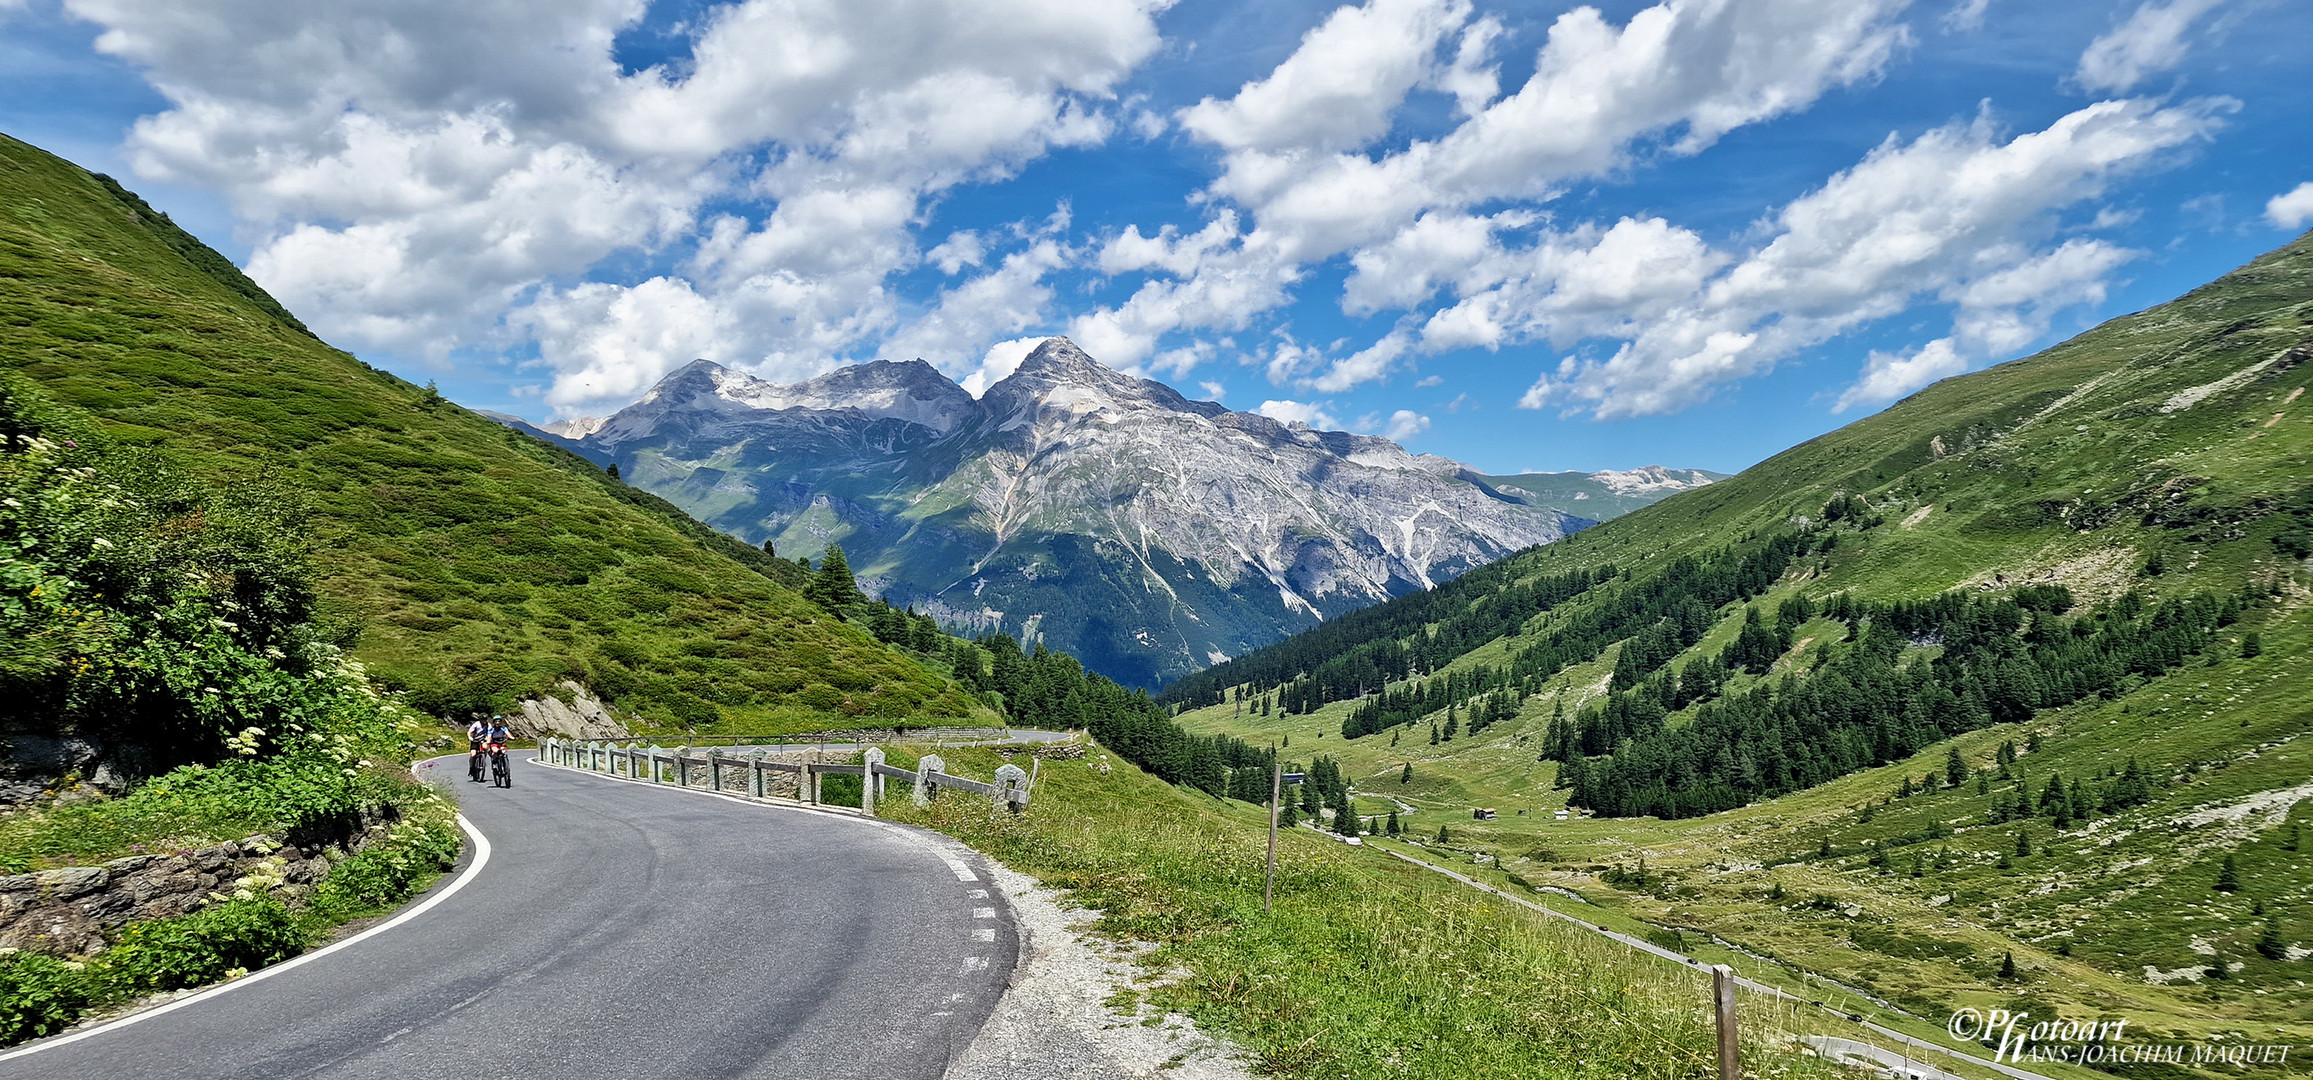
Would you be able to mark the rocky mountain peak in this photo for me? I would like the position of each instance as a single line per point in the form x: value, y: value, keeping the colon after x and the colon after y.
x: 1058, y: 375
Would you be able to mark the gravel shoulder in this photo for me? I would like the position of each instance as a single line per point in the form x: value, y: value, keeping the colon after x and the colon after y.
x: 1055, y: 1023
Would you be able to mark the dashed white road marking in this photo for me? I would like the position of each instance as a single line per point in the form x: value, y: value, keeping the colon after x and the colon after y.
x: 975, y: 963
x: 983, y: 913
x: 984, y: 935
x: 977, y: 894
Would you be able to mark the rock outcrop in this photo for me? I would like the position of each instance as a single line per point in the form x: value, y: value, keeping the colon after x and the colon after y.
x: 584, y: 716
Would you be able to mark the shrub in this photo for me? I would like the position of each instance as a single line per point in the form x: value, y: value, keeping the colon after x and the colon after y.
x: 203, y: 947
x: 387, y: 873
x: 40, y: 995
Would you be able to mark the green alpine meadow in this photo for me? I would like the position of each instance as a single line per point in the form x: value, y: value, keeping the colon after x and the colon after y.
x: 1995, y: 700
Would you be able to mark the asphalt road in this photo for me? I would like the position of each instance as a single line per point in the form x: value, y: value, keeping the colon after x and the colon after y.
x: 619, y: 930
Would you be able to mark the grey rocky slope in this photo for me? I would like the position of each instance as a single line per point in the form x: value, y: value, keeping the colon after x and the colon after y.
x: 1105, y: 515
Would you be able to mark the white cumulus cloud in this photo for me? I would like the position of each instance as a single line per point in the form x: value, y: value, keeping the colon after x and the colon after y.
x: 2291, y: 209
x: 427, y: 176
x: 2150, y: 41
x: 1297, y: 157
x: 1405, y: 424
x: 1299, y: 412
x: 1888, y: 376
x: 1957, y: 212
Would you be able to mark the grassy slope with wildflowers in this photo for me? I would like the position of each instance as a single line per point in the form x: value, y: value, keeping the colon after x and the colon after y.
x: 1366, y: 967
x: 2164, y: 454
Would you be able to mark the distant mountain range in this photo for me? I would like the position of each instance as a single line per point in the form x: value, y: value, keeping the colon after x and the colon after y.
x: 1108, y: 516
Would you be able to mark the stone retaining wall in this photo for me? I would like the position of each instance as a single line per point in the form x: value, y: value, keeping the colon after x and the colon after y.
x: 73, y: 910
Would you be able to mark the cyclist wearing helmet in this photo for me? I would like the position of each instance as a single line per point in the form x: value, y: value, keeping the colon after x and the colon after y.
x: 494, y: 744
x: 476, y: 733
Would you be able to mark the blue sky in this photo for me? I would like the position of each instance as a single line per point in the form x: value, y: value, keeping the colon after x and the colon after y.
x: 1530, y: 236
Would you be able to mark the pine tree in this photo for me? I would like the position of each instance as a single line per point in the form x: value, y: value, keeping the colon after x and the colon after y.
x: 1289, y: 816
x: 2290, y: 839
x: 2229, y: 875
x: 2008, y: 965
x: 1983, y: 785
x: 1433, y: 733
x: 2218, y: 967
x: 1405, y: 776
x: 1453, y: 724
x: 1917, y: 869
x: 2252, y: 645
x: 2023, y: 843
x: 1442, y: 834
x: 2269, y: 944
x: 1396, y: 828
x: 1775, y: 893
x: 614, y: 470
x: 1823, y: 848
x: 1393, y: 734
x: 832, y: 588
x: 768, y: 550
x: 1955, y: 767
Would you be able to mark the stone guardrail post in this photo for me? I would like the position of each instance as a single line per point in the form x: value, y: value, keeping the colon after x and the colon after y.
x: 1011, y: 786
x: 658, y: 771
x: 714, y: 769
x: 927, y: 787
x: 755, y: 774
x: 867, y: 779
x: 682, y: 767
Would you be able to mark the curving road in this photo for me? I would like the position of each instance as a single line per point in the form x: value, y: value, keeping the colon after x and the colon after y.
x: 618, y: 930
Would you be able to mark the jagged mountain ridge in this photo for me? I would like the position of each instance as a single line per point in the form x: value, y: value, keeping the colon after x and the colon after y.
x: 1110, y: 516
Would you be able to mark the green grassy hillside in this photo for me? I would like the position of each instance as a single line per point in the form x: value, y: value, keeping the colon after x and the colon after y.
x: 467, y: 564
x: 2162, y: 457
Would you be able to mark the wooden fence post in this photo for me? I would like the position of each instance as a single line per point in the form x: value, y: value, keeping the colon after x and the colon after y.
x: 1723, y: 989
x: 1269, y: 875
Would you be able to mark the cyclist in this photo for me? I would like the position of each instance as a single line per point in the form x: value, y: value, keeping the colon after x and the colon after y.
x: 495, y: 741
x: 476, y: 733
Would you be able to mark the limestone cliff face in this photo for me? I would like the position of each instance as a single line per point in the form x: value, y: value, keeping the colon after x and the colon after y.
x: 1143, y: 532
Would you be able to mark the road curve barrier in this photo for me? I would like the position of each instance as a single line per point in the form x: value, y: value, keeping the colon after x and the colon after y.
x: 758, y: 775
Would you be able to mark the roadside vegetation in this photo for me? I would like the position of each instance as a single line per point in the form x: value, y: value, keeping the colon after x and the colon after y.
x: 1366, y: 967
x: 138, y: 609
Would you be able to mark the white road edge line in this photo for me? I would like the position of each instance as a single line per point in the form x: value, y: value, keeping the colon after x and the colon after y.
x: 481, y: 858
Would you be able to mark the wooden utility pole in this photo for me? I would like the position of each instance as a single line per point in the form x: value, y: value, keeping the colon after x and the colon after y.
x: 1723, y: 989
x: 1276, y: 791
